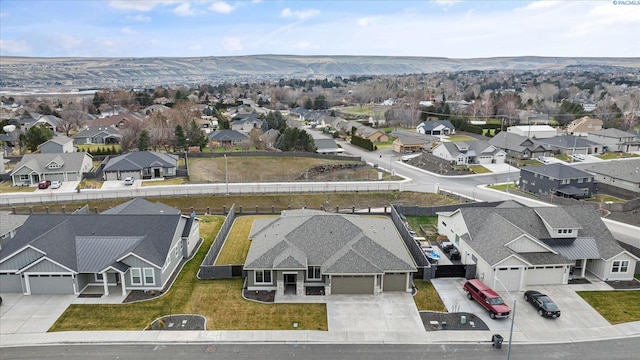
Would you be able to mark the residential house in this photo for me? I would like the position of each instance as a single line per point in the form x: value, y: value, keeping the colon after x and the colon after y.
x: 226, y: 138
x: 9, y: 223
x: 155, y: 108
x: 533, y: 131
x: 557, y: 179
x: 135, y: 246
x: 615, y: 140
x: 407, y: 142
x: 245, y: 124
x: 120, y: 121
x: 327, y: 146
x: 436, y: 128
x: 622, y: 174
x: 589, y: 105
x: 34, y: 168
x: 51, y: 122
x: 338, y: 253
x: 374, y: 135
x: 520, y: 147
x: 270, y: 137
x: 523, y: 246
x: 141, y: 165
x: 57, y: 144
x: 100, y: 135
x: 472, y: 152
x: 571, y: 144
x: 584, y: 126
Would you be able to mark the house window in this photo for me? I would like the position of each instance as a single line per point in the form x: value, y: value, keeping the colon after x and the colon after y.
x: 620, y: 266
x: 570, y: 231
x: 559, y: 231
x: 53, y: 166
x: 313, y: 273
x: 99, y: 277
x: 444, y: 224
x: 565, y: 181
x: 136, y: 277
x: 24, y: 177
x: 176, y: 250
x: 262, y: 277
x: 166, y: 263
x: 149, y: 279
x: 580, y: 180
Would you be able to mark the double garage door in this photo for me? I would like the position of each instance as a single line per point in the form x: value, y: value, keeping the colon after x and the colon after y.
x: 51, y: 284
x: 341, y: 285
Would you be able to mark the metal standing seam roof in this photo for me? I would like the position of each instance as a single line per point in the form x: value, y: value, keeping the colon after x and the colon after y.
x: 336, y: 242
x: 96, y: 253
x: 574, y: 249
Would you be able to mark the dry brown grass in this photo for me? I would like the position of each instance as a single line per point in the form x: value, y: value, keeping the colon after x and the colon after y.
x: 7, y: 187
x: 427, y: 297
x: 255, y: 169
x: 236, y: 246
x: 265, y: 202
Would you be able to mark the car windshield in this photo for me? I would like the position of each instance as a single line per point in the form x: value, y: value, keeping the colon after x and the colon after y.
x: 496, y: 301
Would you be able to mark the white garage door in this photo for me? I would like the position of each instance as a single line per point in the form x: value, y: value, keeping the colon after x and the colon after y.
x: 545, y: 275
x: 510, y: 278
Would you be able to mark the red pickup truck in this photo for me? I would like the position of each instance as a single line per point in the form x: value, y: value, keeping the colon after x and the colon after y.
x: 487, y: 298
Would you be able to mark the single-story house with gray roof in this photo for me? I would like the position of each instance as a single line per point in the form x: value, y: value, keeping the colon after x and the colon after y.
x: 525, y: 246
x: 335, y: 253
x: 119, y: 250
x: 103, y: 135
x: 34, y: 168
x: 141, y: 165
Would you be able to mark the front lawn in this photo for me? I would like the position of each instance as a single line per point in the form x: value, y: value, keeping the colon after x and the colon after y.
x: 479, y: 169
x: 7, y: 187
x: 619, y: 306
x: 220, y: 301
x: 171, y: 181
x: 427, y: 297
x: 460, y: 138
x: 603, y: 198
x: 236, y: 246
x: 616, y: 155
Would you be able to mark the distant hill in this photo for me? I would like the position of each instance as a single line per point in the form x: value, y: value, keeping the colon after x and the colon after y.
x: 141, y: 71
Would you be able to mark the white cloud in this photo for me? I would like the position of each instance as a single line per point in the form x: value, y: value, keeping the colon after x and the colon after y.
x: 546, y: 4
x: 184, y: 9
x: 14, y: 47
x: 139, y: 18
x: 446, y: 3
x: 365, y: 21
x: 108, y: 43
x: 138, y: 5
x: 68, y: 42
x: 232, y: 44
x: 221, y: 7
x: 286, y: 13
x: 4, y: 14
x: 127, y: 30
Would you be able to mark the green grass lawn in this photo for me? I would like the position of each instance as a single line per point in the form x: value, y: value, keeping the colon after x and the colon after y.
x: 427, y: 297
x: 562, y: 157
x: 386, y: 144
x: 616, y: 155
x: 236, y: 246
x: 94, y: 147
x: 416, y: 221
x: 459, y: 138
x: 530, y: 163
x: 220, y: 301
x: 602, y: 198
x: 618, y: 306
x: 479, y: 169
x: 512, y: 189
x: 7, y: 187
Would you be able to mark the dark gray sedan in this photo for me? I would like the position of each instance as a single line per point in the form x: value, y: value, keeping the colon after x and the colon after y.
x: 545, y: 306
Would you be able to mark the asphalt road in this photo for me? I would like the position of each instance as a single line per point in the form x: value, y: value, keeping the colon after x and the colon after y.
x: 613, y: 349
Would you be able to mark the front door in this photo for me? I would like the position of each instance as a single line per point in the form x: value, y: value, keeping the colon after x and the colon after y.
x: 156, y: 173
x: 290, y: 284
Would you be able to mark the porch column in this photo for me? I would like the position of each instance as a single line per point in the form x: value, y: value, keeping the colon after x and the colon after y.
x: 122, y: 284
x: 105, y: 284
x: 584, y: 268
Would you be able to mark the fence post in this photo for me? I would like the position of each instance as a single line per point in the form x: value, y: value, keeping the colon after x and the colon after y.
x: 208, y: 210
x: 273, y: 209
x: 240, y: 209
x: 353, y: 209
x: 95, y: 209
x: 46, y: 209
x: 224, y: 210
x: 64, y: 211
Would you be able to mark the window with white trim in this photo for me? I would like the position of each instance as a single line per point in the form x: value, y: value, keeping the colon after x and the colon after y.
x: 136, y: 276
x: 262, y: 277
x: 149, y: 278
x: 175, y: 249
x: 99, y: 277
x: 24, y: 177
x: 580, y: 180
x: 565, y: 181
x: 620, y: 266
x: 167, y: 261
x: 313, y: 273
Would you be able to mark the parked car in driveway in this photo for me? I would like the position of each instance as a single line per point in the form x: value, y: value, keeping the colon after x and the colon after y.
x: 44, y: 184
x: 55, y: 184
x: 128, y: 180
x: 487, y: 298
x: 543, y: 303
x: 543, y: 159
x: 454, y: 254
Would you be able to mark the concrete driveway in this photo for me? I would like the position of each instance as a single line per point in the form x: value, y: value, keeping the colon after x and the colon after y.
x: 119, y: 184
x: 21, y: 314
x: 579, y: 321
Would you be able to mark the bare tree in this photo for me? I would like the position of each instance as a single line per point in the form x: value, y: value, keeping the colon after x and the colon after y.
x: 130, y: 135
x: 72, y: 118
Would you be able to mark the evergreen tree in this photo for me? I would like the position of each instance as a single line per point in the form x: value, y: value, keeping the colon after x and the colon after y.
x: 195, y: 135
x: 294, y: 139
x: 144, y: 140
x: 180, y: 139
x: 36, y: 135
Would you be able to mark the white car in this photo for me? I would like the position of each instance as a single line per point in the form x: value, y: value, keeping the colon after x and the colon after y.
x: 578, y: 156
x: 55, y: 184
x: 128, y: 180
x: 543, y: 160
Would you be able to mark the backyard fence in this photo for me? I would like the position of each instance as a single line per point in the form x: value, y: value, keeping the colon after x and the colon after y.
x: 207, y: 269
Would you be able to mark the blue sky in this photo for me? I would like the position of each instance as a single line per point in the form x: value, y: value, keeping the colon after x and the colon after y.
x: 455, y: 29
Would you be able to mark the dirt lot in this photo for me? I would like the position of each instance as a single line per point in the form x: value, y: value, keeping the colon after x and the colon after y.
x: 277, y: 169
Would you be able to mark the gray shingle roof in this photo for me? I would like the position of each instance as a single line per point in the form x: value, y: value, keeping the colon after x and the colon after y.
x: 490, y: 229
x: 10, y: 222
x: 614, y: 133
x: 515, y: 142
x: 627, y: 169
x: 568, y: 142
x: 139, y: 160
x: 430, y: 125
x: 340, y: 244
x: 140, y: 206
x: 92, y: 131
x: 557, y: 217
x: 557, y: 171
x: 325, y: 144
x: 61, y: 237
x: 72, y: 162
x: 60, y: 139
x: 227, y: 135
